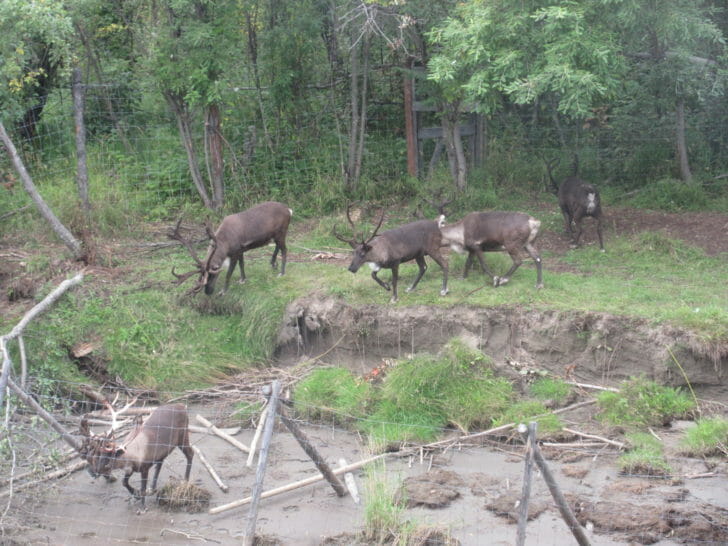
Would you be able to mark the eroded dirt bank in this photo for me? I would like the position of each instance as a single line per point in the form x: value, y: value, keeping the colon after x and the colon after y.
x: 588, y: 347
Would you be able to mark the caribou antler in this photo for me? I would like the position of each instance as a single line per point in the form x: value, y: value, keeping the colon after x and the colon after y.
x: 116, y: 413
x: 200, y: 270
x: 354, y: 241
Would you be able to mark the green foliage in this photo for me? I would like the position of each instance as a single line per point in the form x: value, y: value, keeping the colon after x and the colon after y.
x: 332, y: 395
x: 383, y: 516
x: 645, y: 456
x: 671, y: 195
x: 708, y: 437
x: 547, y: 388
x: 422, y: 395
x: 527, y: 411
x: 641, y: 402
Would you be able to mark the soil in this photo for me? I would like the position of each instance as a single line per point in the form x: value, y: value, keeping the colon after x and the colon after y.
x: 465, y: 494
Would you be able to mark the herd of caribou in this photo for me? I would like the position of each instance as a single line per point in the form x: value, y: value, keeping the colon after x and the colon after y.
x: 150, y: 441
x: 475, y: 234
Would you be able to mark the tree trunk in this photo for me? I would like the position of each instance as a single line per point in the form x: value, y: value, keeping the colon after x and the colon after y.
x: 682, y: 147
x: 81, y: 165
x: 454, y: 145
x: 250, y: 24
x: 181, y: 112
x: 361, y: 137
x: 213, y: 153
x: 65, y: 235
x: 351, y: 181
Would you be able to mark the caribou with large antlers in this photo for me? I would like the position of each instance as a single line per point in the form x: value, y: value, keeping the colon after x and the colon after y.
x: 238, y: 233
x: 147, y: 445
x: 390, y: 248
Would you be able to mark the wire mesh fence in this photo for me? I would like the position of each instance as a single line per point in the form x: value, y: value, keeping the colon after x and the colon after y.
x: 462, y: 491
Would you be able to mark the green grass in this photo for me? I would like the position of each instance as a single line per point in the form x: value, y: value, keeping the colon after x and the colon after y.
x: 332, y: 395
x: 643, y: 403
x: 527, y: 411
x: 384, y: 517
x: 708, y: 437
x: 645, y: 456
x: 550, y: 389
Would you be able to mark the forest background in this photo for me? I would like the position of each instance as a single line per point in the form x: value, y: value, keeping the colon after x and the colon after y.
x: 194, y: 104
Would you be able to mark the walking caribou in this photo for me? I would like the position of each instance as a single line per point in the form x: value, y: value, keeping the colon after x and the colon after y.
x: 393, y: 247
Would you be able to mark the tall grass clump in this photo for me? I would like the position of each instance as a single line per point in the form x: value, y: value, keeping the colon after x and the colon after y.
x: 332, y: 395
x: 548, y: 389
x: 708, y: 437
x: 384, y: 521
x: 527, y: 411
x: 645, y: 456
x: 421, y: 396
x: 642, y: 403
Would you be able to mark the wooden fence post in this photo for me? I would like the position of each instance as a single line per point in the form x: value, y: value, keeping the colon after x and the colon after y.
x: 249, y: 537
x: 558, y: 496
x: 530, y: 436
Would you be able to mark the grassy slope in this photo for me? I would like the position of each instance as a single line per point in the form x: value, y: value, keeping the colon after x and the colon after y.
x: 155, y: 338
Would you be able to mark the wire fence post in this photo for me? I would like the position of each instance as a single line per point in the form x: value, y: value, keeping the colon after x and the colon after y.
x: 529, y: 434
x: 275, y: 388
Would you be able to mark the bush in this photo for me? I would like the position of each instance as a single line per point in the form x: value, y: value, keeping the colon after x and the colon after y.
x: 671, y: 195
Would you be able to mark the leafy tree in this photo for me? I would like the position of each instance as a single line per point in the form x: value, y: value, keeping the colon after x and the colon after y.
x: 193, y: 43
x: 674, y: 49
x: 35, y: 48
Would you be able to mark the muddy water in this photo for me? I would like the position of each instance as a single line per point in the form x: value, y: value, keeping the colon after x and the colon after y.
x: 80, y: 510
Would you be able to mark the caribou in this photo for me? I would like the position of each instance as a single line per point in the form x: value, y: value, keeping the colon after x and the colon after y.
x: 480, y: 232
x: 393, y: 247
x: 146, y: 445
x: 236, y: 234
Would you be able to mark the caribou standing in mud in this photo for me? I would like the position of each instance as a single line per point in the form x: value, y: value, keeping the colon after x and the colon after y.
x: 146, y: 445
x: 236, y: 234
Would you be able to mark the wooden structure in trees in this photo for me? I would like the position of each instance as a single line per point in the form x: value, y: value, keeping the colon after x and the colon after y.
x: 472, y: 131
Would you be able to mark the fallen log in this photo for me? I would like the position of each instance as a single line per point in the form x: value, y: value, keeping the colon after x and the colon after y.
x: 295, y: 485
x: 210, y: 469
x: 241, y: 446
x: 256, y: 437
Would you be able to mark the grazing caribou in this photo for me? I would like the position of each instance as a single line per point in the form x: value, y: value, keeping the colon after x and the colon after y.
x: 480, y: 232
x: 390, y: 248
x: 236, y: 234
x: 577, y: 200
x: 147, y: 445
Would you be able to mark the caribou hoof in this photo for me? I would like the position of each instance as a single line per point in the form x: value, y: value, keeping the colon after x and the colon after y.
x: 602, y: 250
x: 409, y: 289
x: 444, y: 292
x: 393, y: 300
x: 539, y: 286
x: 502, y: 281
x: 496, y: 280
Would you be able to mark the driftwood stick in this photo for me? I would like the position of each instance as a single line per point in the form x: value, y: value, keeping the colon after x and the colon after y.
x: 18, y: 329
x: 575, y: 406
x: 561, y: 503
x: 256, y: 437
x: 78, y: 465
x: 312, y: 452
x: 241, y: 446
x: 350, y: 483
x: 30, y: 401
x: 296, y: 485
x: 588, y: 386
x: 569, y: 445
x: 274, y: 393
x: 619, y: 445
x: 210, y: 469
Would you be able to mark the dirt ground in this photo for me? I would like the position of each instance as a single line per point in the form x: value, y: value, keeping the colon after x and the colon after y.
x: 467, y: 491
